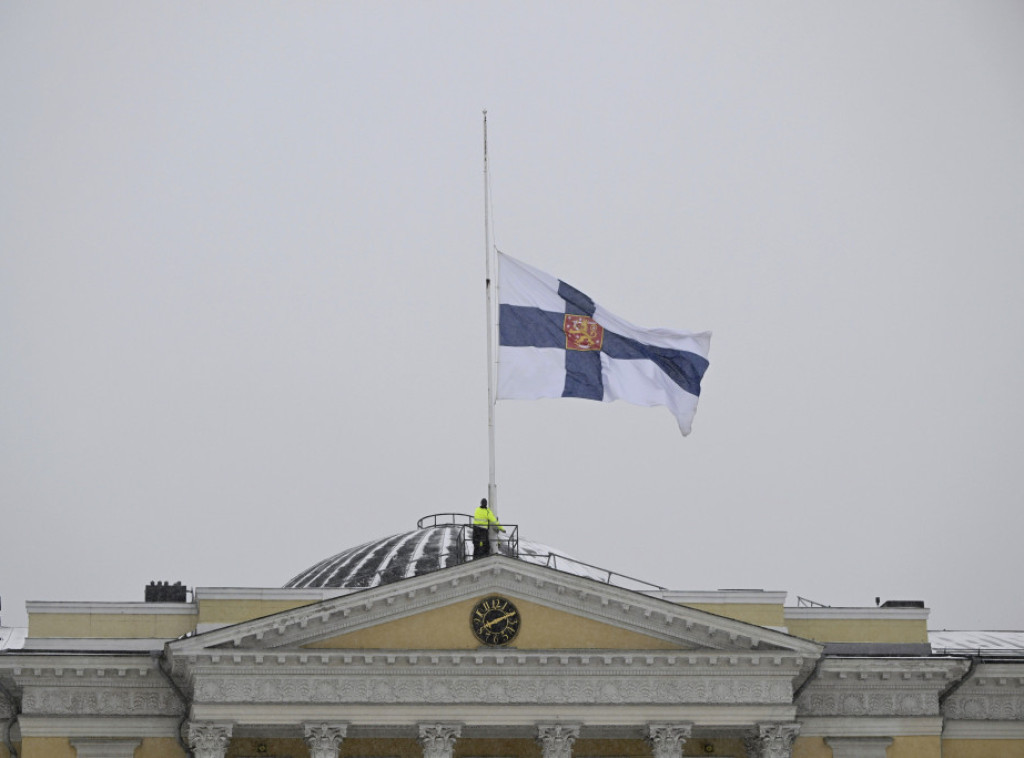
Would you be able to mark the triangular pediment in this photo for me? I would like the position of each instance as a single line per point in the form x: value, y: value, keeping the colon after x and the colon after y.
x: 558, y: 611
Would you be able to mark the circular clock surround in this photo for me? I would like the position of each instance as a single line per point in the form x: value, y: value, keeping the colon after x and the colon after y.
x: 495, y: 621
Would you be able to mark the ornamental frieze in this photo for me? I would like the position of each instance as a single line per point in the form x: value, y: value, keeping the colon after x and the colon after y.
x: 92, y: 701
x: 486, y: 689
x: 1003, y: 707
x: 869, y: 703
x: 995, y: 691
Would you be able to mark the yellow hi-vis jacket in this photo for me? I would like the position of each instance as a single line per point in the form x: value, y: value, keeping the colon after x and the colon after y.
x: 484, y: 517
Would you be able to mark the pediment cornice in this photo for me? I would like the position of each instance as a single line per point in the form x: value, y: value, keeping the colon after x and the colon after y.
x: 993, y: 691
x: 879, y: 686
x: 689, y: 628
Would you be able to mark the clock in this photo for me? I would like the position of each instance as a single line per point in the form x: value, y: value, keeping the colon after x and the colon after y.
x: 495, y: 621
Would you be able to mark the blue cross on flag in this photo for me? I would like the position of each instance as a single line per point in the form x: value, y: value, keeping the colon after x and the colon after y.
x: 554, y: 341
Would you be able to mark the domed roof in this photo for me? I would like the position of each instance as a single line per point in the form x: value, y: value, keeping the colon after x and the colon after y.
x: 439, y: 542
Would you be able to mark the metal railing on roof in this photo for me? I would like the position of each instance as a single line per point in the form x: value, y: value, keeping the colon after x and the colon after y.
x: 610, y: 577
x: 803, y: 602
x: 443, y: 519
x: 507, y: 543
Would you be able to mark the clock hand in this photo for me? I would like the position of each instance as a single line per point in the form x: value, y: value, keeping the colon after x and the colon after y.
x: 495, y: 621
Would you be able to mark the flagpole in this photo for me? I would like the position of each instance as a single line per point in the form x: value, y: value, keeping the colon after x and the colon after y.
x: 492, y: 487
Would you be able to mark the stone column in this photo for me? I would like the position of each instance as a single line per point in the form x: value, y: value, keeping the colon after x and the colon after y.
x: 772, y: 741
x: 324, y: 739
x: 438, y: 740
x: 209, y: 740
x: 858, y: 747
x: 667, y: 740
x: 556, y: 740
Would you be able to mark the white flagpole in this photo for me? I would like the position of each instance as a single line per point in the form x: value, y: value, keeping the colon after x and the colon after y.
x: 492, y: 487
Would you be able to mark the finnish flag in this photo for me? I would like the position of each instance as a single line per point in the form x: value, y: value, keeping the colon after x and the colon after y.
x: 554, y: 341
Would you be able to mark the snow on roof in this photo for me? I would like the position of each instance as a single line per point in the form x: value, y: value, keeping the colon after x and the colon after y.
x: 12, y: 637
x: 977, y: 643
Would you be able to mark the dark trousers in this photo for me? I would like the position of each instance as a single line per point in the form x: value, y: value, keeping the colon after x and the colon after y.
x: 481, y: 542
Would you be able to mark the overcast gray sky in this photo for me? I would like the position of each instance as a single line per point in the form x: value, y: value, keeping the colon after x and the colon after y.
x: 242, y: 320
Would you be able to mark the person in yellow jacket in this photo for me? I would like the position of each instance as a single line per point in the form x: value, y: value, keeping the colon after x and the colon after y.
x: 483, y: 520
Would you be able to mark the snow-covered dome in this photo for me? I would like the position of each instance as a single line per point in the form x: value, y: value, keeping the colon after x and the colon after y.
x: 438, y: 541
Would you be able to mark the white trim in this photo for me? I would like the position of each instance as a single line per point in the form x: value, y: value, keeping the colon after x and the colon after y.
x: 838, y: 726
x: 105, y: 608
x: 270, y: 593
x: 688, y: 627
x: 846, y: 614
x: 721, y: 597
x: 90, y: 644
x: 98, y: 726
x: 489, y: 715
x: 983, y: 730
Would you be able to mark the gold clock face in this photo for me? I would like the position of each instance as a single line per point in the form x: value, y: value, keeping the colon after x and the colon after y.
x: 495, y: 621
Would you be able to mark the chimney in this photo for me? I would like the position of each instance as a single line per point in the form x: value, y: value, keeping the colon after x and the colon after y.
x: 164, y: 592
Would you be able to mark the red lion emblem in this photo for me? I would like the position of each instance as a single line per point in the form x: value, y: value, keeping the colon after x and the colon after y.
x: 582, y: 333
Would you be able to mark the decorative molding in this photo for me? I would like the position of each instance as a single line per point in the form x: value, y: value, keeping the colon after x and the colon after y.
x: 596, y: 601
x: 88, y: 747
x: 556, y: 740
x: 438, y: 740
x: 494, y: 686
x: 667, y: 740
x: 324, y: 739
x: 879, y: 686
x: 209, y: 740
x: 868, y: 703
x: 858, y: 747
x: 89, y: 699
x: 994, y: 692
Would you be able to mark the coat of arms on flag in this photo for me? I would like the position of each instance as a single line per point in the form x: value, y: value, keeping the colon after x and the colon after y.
x: 554, y: 341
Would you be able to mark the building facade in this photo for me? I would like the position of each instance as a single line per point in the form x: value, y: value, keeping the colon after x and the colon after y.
x: 377, y: 653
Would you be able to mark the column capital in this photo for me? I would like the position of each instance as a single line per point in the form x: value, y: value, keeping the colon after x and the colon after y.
x: 667, y: 740
x: 773, y: 740
x: 324, y: 739
x: 209, y: 739
x: 556, y: 740
x: 438, y: 740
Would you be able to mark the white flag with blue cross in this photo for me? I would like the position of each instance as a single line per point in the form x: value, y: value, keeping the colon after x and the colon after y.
x: 554, y: 341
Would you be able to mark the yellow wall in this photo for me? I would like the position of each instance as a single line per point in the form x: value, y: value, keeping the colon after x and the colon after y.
x: 272, y: 748
x: 762, y: 614
x: 982, y: 748
x: 810, y: 747
x: 384, y: 748
x: 46, y: 747
x: 159, y: 626
x: 236, y: 611
x: 859, y: 630
x: 159, y: 747
x: 448, y: 629
x: 915, y: 747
